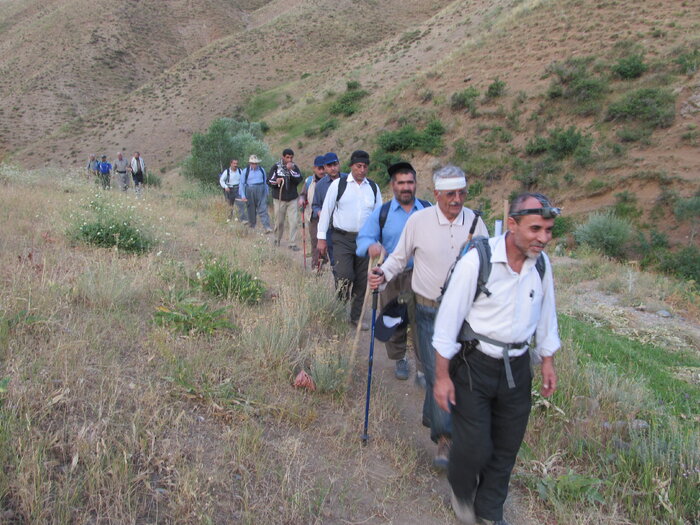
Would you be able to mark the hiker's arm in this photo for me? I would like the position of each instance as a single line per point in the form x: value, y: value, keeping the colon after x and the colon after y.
x: 368, y: 236
x: 549, y: 377
x: 444, y: 388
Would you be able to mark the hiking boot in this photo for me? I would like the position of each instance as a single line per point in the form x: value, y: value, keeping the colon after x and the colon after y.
x: 442, y: 458
x: 420, y: 380
x: 463, y: 510
x: 482, y: 521
x: 276, y: 243
x: 401, y: 369
x: 294, y: 248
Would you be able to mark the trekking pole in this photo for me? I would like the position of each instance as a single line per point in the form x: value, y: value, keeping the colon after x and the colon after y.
x: 370, y: 359
x: 303, y: 234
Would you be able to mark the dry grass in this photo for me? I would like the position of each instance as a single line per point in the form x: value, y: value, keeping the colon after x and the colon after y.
x: 109, y: 418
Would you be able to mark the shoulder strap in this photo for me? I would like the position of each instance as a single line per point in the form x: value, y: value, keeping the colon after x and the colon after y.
x: 342, y: 184
x: 541, y: 266
x: 383, y: 214
x: 374, y: 187
x: 245, y: 176
x: 483, y: 249
x: 228, y: 174
x: 425, y: 204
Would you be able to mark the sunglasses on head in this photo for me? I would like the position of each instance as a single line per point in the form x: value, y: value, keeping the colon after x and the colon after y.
x: 547, y: 212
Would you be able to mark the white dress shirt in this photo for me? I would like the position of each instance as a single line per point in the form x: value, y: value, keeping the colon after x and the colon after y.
x: 234, y: 178
x: 434, y: 243
x: 520, y: 305
x: 354, y: 207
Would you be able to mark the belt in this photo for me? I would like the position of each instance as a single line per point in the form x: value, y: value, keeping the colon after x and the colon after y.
x: 343, y: 232
x: 424, y: 301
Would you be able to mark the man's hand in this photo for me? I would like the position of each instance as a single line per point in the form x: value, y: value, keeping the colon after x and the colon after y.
x: 227, y: 189
x: 376, y: 278
x: 444, y: 388
x: 279, y: 181
x: 549, y: 377
x: 322, y: 247
x: 375, y: 250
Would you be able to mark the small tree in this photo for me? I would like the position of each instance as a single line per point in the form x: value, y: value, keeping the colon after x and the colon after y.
x: 689, y: 210
x: 607, y: 233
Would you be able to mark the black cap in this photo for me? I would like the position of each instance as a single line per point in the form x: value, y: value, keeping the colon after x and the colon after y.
x: 400, y: 166
x: 359, y: 156
x: 393, y: 316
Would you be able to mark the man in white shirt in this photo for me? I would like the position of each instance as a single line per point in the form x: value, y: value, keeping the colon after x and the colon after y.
x: 434, y: 238
x: 138, y: 172
x: 348, y: 203
x: 482, y: 372
x: 120, y: 167
x: 230, y: 180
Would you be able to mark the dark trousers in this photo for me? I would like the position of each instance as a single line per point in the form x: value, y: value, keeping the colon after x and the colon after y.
x: 488, y: 426
x: 350, y: 271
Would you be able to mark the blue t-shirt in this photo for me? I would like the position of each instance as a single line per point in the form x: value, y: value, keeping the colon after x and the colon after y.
x: 391, y: 233
x: 104, y: 167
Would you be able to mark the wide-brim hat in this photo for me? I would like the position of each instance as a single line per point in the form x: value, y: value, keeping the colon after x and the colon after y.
x: 393, y: 316
x: 253, y: 159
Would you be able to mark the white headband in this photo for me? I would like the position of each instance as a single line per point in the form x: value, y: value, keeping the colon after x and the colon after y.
x: 450, y: 183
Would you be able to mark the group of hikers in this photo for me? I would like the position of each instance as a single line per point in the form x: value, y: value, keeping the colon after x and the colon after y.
x: 473, y: 338
x: 123, y: 170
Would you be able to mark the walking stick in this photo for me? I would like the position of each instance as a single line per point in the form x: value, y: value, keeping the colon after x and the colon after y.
x: 375, y: 295
x: 303, y: 233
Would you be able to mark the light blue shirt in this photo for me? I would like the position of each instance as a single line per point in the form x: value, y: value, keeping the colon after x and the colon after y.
x: 256, y: 176
x: 394, y: 225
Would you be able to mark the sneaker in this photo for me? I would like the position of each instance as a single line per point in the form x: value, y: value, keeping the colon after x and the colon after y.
x: 442, y: 458
x: 420, y: 380
x: 463, y: 510
x: 401, y: 369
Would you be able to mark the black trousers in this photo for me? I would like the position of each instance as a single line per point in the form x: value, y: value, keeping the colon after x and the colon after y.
x: 488, y: 426
x: 350, y: 271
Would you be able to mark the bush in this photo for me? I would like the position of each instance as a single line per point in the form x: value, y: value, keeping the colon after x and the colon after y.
x: 219, y: 279
x: 654, y: 107
x: 536, y: 146
x: 562, y: 226
x: 575, y: 83
x: 107, y: 224
x: 689, y: 62
x: 465, y: 99
x: 225, y: 139
x: 606, y: 233
x: 684, y: 263
x: 561, y: 143
x: 629, y: 134
x: 151, y: 179
x: 496, y: 89
x: 630, y: 67
x: 626, y: 205
x: 192, y: 317
x: 348, y: 103
x: 409, y: 138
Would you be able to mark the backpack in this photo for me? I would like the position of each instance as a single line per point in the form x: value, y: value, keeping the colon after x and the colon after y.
x: 343, y: 183
x: 247, y: 170
x: 228, y: 174
x: 483, y: 250
x: 384, y: 213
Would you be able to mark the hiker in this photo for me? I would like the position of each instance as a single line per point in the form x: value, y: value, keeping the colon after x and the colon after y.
x: 254, y: 192
x: 138, y: 172
x: 380, y: 234
x: 104, y: 169
x: 120, y: 168
x: 230, y: 181
x: 487, y: 394
x: 331, y: 166
x: 283, y: 179
x: 305, y: 198
x: 348, y: 203
x: 433, y: 237
x: 92, y: 167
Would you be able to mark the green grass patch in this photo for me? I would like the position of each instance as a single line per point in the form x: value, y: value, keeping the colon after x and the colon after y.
x: 261, y: 104
x: 409, y: 138
x: 465, y: 99
x: 191, y: 316
x: 653, y: 107
x: 218, y: 278
x: 107, y: 223
x: 348, y: 103
x: 647, y: 363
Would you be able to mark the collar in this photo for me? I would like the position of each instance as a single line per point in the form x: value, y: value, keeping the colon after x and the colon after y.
x: 443, y: 221
x: 351, y: 178
x: 395, y: 204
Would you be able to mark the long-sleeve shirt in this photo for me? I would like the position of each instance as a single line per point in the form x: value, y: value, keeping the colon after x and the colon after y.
x: 138, y: 164
x: 391, y: 233
x: 320, y: 193
x: 250, y: 177
x: 434, y: 243
x: 120, y: 165
x: 520, y: 305
x: 352, y: 210
x: 292, y: 178
x: 233, y: 176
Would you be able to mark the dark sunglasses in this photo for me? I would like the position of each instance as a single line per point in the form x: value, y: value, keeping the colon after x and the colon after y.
x: 547, y: 212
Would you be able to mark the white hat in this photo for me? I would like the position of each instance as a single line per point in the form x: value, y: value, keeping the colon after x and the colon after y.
x: 253, y: 159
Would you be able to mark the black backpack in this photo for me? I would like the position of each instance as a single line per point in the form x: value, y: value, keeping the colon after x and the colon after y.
x: 384, y: 213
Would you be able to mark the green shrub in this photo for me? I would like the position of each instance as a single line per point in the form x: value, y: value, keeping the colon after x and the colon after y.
x: 689, y: 62
x: 348, y: 103
x: 218, y: 278
x: 561, y: 143
x: 465, y: 99
x: 684, y: 263
x: 329, y: 125
x: 537, y: 146
x: 632, y: 134
x: 409, y: 138
x: 654, y: 107
x: 626, y: 205
x: 496, y: 89
x: 563, y: 225
x: 575, y: 83
x: 630, y: 67
x: 151, y: 179
x: 352, y: 85
x: 606, y: 233
x: 107, y: 224
x: 192, y: 317
x: 381, y: 160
